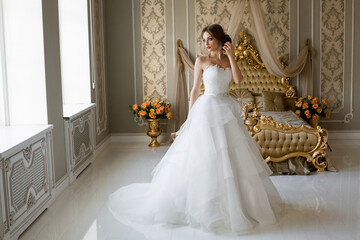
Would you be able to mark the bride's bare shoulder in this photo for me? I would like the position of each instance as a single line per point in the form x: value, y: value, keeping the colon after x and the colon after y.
x: 202, y: 61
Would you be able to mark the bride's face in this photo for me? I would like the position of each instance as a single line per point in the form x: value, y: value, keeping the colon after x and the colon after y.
x: 210, y: 42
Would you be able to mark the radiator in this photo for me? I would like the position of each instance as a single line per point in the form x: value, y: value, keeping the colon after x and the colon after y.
x: 79, y: 134
x: 25, y: 187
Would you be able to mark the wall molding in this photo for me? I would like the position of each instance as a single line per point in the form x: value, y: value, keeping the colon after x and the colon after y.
x: 312, y: 43
x: 134, y: 44
x: 345, y: 134
x: 328, y: 47
x: 98, y: 66
x: 154, y: 49
x: 350, y: 115
x: 298, y: 42
x: 174, y: 41
x: 137, y: 137
x: 187, y: 43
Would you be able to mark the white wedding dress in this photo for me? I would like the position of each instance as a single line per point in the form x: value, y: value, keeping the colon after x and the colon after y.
x: 212, y: 176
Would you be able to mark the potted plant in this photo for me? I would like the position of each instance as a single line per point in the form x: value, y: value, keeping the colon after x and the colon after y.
x: 310, y: 109
x: 153, y: 112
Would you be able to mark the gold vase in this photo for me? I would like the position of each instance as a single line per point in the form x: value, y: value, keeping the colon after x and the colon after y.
x: 314, y: 121
x: 153, y: 131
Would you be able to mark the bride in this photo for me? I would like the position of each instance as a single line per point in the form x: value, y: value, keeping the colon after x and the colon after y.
x: 213, y: 175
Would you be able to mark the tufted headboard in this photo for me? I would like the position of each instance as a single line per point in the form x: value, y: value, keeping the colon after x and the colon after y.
x: 256, y: 78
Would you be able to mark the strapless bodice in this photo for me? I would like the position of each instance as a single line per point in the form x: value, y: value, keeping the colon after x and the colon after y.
x: 216, y: 80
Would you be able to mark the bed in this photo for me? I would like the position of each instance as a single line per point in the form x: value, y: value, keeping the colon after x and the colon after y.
x: 288, y: 143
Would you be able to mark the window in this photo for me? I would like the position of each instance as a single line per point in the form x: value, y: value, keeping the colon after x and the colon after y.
x: 23, y: 89
x: 75, y: 57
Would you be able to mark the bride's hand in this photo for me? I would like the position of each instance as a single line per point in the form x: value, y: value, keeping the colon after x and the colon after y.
x: 229, y: 49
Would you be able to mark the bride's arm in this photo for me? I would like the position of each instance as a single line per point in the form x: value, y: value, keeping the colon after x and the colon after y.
x: 229, y: 49
x: 197, y: 82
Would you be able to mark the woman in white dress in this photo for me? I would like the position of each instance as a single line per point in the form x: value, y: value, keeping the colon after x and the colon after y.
x: 213, y: 175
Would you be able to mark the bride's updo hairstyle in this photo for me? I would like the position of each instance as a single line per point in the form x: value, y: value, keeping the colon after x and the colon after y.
x: 217, y: 32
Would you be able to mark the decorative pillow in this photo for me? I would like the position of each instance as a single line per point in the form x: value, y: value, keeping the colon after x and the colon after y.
x: 273, y: 101
x: 259, y: 102
x: 242, y: 96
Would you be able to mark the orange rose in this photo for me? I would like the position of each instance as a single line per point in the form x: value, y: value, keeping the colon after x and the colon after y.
x: 152, y: 114
x: 167, y: 109
x: 157, y: 105
x: 315, y: 106
x: 327, y: 114
x: 319, y: 110
x: 147, y: 103
x: 305, y: 105
x: 169, y: 115
x: 143, y: 105
x: 310, y: 97
x: 307, y: 112
x: 299, y: 104
x: 135, y: 107
x: 300, y: 99
x: 159, y: 111
x: 162, y: 108
x: 142, y: 113
x: 308, y: 116
x: 156, y: 101
x: 325, y: 102
x: 297, y: 112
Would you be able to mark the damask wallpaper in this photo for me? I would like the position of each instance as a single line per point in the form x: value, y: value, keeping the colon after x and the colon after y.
x: 332, y: 52
x: 153, y: 48
x: 277, y: 19
x: 209, y: 12
x: 276, y: 16
x: 332, y: 26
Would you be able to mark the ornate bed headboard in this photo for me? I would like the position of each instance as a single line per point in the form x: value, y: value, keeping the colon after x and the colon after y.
x: 255, y: 76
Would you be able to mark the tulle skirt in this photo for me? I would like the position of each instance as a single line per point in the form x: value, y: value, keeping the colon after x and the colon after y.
x: 213, y: 176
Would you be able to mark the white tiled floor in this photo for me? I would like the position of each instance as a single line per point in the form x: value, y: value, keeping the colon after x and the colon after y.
x: 324, y: 205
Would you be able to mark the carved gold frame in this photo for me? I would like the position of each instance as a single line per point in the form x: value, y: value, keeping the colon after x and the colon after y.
x: 255, y: 123
x: 245, y: 51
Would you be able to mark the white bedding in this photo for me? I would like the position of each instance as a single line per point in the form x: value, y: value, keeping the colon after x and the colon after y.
x: 288, y: 117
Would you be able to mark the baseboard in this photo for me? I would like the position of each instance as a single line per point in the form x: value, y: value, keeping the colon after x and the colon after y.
x: 102, y: 145
x: 137, y: 137
x: 345, y: 134
x: 128, y: 137
x: 60, y: 186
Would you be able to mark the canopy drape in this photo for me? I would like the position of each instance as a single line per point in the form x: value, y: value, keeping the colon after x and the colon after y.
x: 269, y: 56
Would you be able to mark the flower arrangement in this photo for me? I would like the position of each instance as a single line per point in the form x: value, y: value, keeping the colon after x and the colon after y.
x: 152, y: 110
x: 309, y: 106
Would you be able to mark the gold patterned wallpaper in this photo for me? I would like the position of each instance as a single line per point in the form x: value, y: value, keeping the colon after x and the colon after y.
x: 209, y: 12
x: 153, y: 48
x: 332, y: 52
x: 276, y: 17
